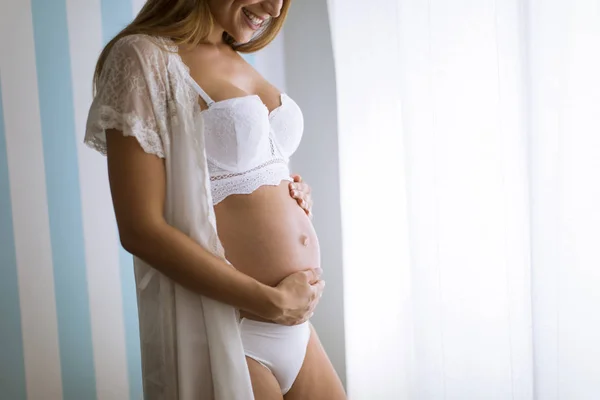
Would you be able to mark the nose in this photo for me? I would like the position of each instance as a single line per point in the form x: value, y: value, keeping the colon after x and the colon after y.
x: 273, y: 7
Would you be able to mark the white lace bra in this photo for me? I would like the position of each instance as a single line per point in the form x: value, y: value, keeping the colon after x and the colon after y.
x: 246, y: 145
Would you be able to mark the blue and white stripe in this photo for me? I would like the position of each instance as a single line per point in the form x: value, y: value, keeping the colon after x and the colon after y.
x: 51, y: 40
x: 67, y: 298
x: 12, y: 369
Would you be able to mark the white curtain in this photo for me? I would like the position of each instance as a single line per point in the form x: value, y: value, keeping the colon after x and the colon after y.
x: 469, y: 135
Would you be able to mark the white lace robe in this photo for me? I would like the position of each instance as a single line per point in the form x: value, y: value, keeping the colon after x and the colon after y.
x: 191, y: 346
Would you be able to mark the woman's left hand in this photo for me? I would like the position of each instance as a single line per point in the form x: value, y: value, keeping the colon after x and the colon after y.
x: 300, y: 191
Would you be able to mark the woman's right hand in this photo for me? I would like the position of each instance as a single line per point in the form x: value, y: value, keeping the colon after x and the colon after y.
x: 299, y: 295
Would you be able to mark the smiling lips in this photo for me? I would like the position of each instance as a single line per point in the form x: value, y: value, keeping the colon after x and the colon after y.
x: 254, y: 19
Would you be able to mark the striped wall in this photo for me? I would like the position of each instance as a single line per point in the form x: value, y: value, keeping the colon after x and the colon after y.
x: 68, y: 315
x: 68, y: 312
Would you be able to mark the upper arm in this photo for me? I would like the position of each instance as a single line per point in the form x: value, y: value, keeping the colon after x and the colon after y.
x: 128, y: 122
x: 137, y: 183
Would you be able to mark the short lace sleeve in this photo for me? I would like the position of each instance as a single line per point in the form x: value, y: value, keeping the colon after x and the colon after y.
x: 131, y: 96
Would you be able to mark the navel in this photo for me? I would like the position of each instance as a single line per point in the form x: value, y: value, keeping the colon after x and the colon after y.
x: 304, y: 240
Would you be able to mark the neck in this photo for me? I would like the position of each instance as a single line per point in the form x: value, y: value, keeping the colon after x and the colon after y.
x: 216, y: 35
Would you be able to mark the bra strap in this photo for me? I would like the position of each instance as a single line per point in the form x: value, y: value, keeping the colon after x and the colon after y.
x: 209, y: 102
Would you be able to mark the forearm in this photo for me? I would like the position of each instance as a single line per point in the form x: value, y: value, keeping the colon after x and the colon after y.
x: 186, y: 262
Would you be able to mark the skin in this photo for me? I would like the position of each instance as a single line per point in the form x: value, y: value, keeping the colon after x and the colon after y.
x: 137, y: 182
x: 281, y: 283
x: 223, y: 74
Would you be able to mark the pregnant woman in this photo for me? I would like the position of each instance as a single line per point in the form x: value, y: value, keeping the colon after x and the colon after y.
x: 227, y: 263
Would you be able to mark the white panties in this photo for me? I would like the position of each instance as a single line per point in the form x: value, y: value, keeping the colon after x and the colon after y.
x: 280, y: 348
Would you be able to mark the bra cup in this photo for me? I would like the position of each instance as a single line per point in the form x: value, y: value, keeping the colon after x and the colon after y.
x: 237, y: 137
x: 252, y: 135
x: 287, y: 127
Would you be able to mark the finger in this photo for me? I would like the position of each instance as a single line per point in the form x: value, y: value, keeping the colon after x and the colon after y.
x: 319, y: 272
x: 296, y: 192
x: 302, y: 203
x: 318, y: 288
x: 309, y: 204
x: 300, y: 186
x: 303, y: 187
x: 313, y: 276
x: 303, y: 320
x: 297, y: 178
x: 310, y: 276
x: 302, y: 199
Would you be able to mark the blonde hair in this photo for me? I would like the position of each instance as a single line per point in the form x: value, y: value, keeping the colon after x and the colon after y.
x: 187, y: 22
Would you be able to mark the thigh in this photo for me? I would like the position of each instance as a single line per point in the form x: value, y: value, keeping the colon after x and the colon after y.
x: 264, y: 384
x: 317, y: 379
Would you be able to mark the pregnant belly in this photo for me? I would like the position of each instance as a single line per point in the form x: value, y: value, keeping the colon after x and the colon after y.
x: 266, y: 235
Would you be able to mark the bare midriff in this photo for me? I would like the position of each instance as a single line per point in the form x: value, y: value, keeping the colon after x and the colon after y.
x: 267, y: 235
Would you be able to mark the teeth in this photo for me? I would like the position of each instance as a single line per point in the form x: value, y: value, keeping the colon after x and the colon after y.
x: 255, y: 20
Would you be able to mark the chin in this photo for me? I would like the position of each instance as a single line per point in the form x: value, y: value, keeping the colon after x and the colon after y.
x: 242, y: 37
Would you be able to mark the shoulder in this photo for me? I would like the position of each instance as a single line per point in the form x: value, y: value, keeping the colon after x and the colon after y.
x: 150, y: 50
x: 144, y: 42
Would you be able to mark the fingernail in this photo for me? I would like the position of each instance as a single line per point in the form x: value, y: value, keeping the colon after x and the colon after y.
x: 293, y: 185
x: 319, y: 271
x: 294, y: 193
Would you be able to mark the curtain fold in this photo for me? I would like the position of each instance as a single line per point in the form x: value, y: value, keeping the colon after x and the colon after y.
x: 376, y: 261
x: 564, y: 78
x: 474, y: 124
x: 464, y: 131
